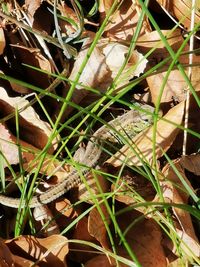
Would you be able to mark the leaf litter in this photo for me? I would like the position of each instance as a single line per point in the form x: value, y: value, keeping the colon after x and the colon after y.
x: 89, y: 224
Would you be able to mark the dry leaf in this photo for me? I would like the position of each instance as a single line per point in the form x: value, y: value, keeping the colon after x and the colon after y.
x: 153, y: 39
x: 174, y: 192
x: 115, y: 54
x: 8, y: 147
x: 97, y: 261
x: 129, y: 186
x: 144, y: 238
x: 45, y: 222
x: 22, y: 262
x: 191, y: 163
x: 32, y: 57
x: 80, y: 252
x: 143, y: 144
x: 51, y: 250
x: 2, y: 41
x: 6, y: 257
x: 123, y: 22
x: 181, y: 9
x: 32, y: 129
x: 96, y: 225
x: 31, y: 7
x: 64, y: 212
x: 175, y: 87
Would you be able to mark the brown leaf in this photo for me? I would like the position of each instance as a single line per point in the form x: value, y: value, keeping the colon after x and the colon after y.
x: 45, y: 222
x: 174, y: 192
x: 32, y: 6
x: 97, y: 261
x: 123, y: 22
x: 32, y: 57
x: 129, y: 186
x: 144, y: 238
x: 96, y: 225
x: 2, y: 41
x: 153, y: 39
x: 115, y: 55
x: 51, y: 250
x: 81, y: 252
x: 6, y: 257
x: 32, y: 129
x: 182, y: 10
x: 22, y: 262
x: 143, y: 144
x: 64, y: 212
x: 175, y: 86
x: 96, y: 73
x: 191, y: 163
x: 8, y: 147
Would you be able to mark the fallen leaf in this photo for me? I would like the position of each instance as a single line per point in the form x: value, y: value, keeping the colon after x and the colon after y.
x: 96, y: 225
x: 44, y: 220
x: 115, y: 54
x: 144, y: 239
x: 181, y: 9
x: 142, y: 143
x: 32, y: 129
x: 174, y: 192
x: 51, y: 250
x: 97, y: 261
x: 31, y: 7
x: 80, y: 252
x: 122, y: 24
x: 2, y: 41
x: 191, y: 163
x: 6, y: 257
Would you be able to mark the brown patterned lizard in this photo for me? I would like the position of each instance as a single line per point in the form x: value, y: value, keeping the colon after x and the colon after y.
x: 132, y: 122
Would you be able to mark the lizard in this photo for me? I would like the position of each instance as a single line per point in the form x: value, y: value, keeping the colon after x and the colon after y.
x: 126, y: 122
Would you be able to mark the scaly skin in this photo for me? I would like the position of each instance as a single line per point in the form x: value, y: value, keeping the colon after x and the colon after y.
x: 123, y: 124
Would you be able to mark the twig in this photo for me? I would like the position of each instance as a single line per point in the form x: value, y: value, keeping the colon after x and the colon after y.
x: 45, y: 36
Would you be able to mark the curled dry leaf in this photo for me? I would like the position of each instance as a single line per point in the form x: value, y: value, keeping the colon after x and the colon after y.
x: 35, y: 131
x: 101, y: 260
x: 96, y: 73
x: 96, y: 225
x: 45, y: 222
x: 191, y: 163
x: 123, y: 22
x: 100, y: 70
x: 142, y: 144
x: 32, y: 57
x: 31, y: 7
x: 174, y: 192
x: 153, y: 40
x: 8, y: 146
x: 2, y: 41
x: 115, y: 54
x: 6, y: 257
x: 21, y: 262
x: 81, y: 252
x: 144, y: 239
x: 51, y: 250
x: 181, y: 9
x: 64, y: 212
